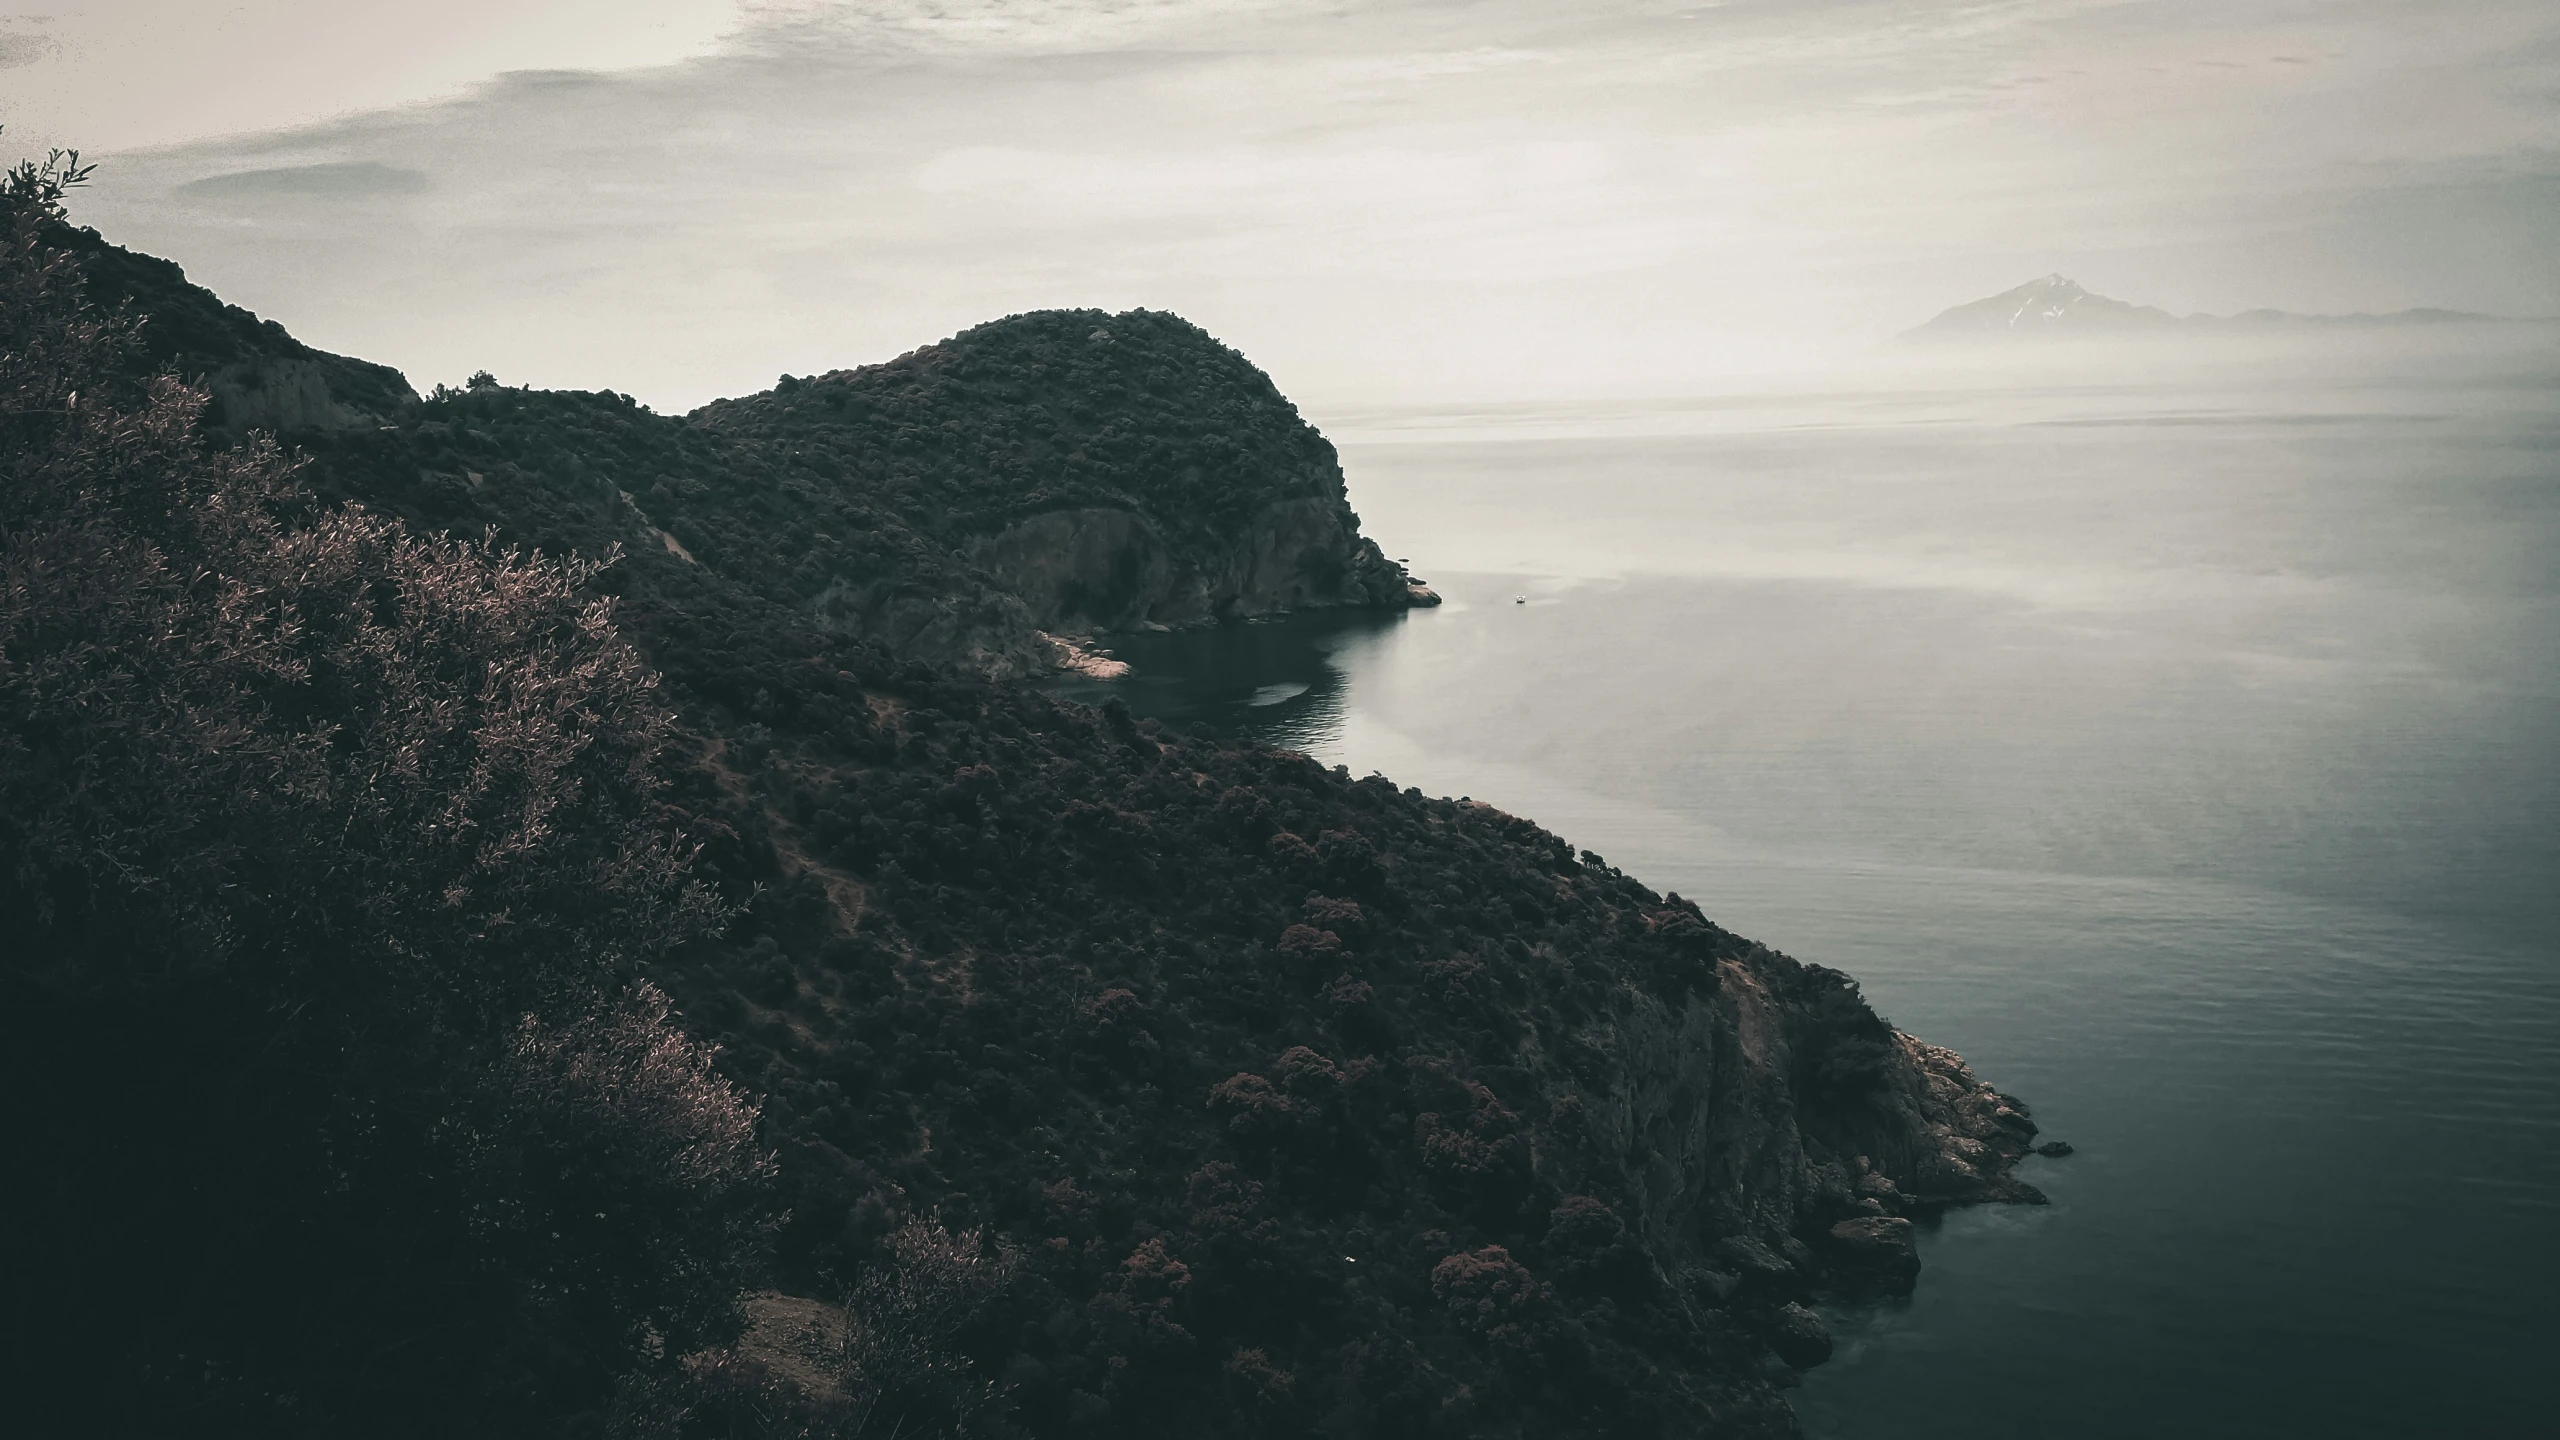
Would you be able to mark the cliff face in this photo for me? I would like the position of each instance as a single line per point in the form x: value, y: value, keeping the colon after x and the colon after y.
x: 1735, y: 1163
x: 977, y: 625
x: 1712, y: 1106
x: 1302, y: 1104
x: 1110, y: 569
x: 259, y: 376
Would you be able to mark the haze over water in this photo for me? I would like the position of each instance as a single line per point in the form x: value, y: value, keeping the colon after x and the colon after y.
x: 2181, y: 745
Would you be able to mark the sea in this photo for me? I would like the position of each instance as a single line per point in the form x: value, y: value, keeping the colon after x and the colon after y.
x: 2177, y: 738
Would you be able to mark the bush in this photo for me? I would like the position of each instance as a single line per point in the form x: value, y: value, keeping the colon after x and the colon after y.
x: 330, y: 853
x: 903, y: 1364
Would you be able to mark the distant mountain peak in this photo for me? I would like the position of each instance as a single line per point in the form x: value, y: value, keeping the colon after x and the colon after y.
x: 2056, y: 304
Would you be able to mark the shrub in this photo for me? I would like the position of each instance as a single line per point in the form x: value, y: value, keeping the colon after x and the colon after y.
x: 329, y: 853
x: 903, y: 1362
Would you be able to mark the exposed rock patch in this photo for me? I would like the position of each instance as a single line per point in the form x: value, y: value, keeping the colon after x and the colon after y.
x: 1112, y: 569
x: 261, y: 378
x: 1078, y: 657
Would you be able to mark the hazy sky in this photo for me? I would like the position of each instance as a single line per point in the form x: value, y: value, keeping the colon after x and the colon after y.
x: 1377, y: 201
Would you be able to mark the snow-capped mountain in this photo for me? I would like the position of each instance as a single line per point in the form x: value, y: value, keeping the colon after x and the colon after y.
x: 2052, y: 305
x: 2058, y: 305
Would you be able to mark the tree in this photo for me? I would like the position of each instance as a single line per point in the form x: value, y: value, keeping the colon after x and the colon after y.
x: 328, y: 855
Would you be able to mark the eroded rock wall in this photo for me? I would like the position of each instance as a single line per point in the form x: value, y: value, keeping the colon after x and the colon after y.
x: 293, y: 394
x: 1740, y: 1170
x: 1103, y: 568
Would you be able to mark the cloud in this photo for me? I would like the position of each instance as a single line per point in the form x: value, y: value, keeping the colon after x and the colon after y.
x: 1007, y: 27
x: 340, y: 180
x: 131, y: 73
x: 21, y: 49
x: 1389, y: 197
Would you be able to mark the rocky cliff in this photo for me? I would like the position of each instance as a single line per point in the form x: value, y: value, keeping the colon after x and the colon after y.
x: 258, y: 376
x: 1245, y: 1097
x: 1113, y: 569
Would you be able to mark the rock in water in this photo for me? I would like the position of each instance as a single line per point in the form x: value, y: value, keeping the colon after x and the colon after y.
x: 1799, y: 1337
x: 1875, y: 1252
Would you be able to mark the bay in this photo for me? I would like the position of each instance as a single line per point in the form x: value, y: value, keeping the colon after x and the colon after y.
x: 2185, y: 751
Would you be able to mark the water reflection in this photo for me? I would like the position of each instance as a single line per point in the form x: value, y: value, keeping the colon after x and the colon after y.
x: 1283, y: 681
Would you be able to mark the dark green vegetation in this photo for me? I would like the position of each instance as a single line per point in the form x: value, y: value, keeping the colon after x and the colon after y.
x: 1104, y: 1080
x: 1138, y: 408
x: 868, y: 500
x: 330, y: 853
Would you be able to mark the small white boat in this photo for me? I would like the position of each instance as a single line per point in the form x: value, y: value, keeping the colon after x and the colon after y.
x: 1519, y: 599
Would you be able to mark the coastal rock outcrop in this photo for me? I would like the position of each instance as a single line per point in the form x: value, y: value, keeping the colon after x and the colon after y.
x: 1943, y: 1136
x: 1739, y: 1164
x: 1875, y: 1251
x: 1799, y: 1337
x: 1112, y: 569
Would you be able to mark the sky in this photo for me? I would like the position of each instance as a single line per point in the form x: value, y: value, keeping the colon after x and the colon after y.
x: 1381, y: 202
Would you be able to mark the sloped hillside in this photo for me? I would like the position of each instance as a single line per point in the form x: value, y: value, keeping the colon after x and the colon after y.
x: 1064, y: 471
x: 1110, y: 470
x: 1124, y: 1082
x: 1309, y: 1104
x: 257, y: 375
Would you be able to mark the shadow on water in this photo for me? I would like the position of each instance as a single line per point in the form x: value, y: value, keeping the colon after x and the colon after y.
x: 1282, y: 681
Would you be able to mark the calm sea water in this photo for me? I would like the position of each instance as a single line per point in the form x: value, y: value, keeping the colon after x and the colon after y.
x: 2187, y: 755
